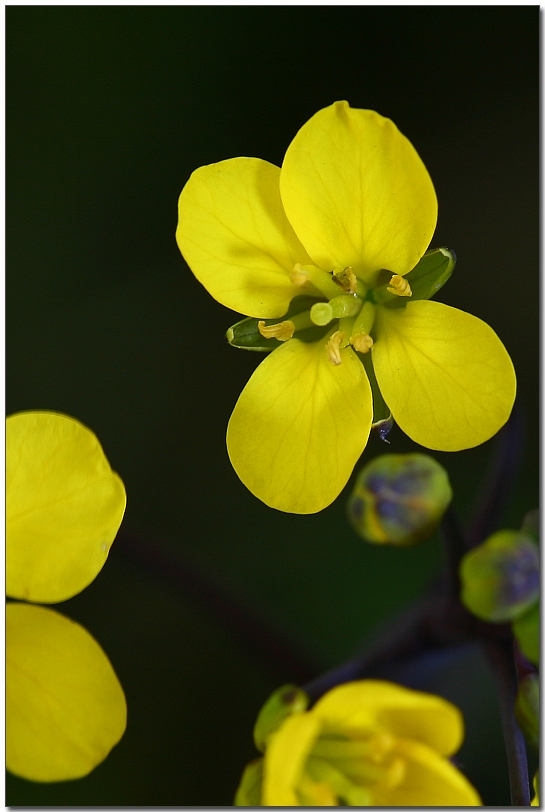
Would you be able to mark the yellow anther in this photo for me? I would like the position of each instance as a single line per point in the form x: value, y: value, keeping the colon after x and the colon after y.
x: 346, y: 279
x: 281, y: 331
x: 333, y: 348
x: 362, y: 342
x: 399, y: 286
x: 298, y: 276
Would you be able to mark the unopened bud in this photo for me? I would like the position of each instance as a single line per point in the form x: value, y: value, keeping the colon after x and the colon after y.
x: 500, y: 578
x: 399, y: 499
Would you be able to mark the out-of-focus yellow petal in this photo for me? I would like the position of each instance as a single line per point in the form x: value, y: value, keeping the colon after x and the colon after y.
x: 354, y: 708
x: 300, y: 425
x: 65, y: 708
x: 430, y: 780
x: 235, y: 237
x: 285, y: 759
x: 64, y: 505
x: 445, y: 375
x: 357, y: 193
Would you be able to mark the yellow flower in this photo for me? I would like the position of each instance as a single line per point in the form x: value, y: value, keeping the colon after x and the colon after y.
x: 367, y: 743
x: 65, y: 708
x: 349, y: 214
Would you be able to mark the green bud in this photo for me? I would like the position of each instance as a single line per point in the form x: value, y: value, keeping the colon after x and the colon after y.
x: 425, y: 279
x: 282, y: 703
x: 249, y: 789
x: 527, y: 708
x: 399, y: 499
x: 245, y: 334
x: 500, y: 578
x: 526, y: 629
x: 530, y: 525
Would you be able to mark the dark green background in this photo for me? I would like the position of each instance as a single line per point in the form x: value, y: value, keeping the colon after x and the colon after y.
x: 109, y: 110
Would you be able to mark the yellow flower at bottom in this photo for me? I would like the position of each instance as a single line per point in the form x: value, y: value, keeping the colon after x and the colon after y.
x: 368, y: 743
x: 65, y: 708
x: 347, y: 217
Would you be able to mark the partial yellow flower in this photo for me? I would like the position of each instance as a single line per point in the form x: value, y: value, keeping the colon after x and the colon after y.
x: 367, y: 743
x: 347, y: 217
x: 65, y: 708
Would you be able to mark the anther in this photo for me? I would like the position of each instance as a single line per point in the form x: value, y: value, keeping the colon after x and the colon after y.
x: 346, y: 279
x: 399, y: 286
x: 298, y: 276
x: 282, y: 331
x: 362, y: 342
x: 333, y: 348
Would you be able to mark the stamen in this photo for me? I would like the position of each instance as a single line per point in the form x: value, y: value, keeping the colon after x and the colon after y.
x: 362, y: 342
x: 346, y: 279
x: 399, y: 286
x: 298, y: 276
x: 333, y: 348
x: 282, y: 331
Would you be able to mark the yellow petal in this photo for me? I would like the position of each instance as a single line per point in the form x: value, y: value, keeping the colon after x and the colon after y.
x: 64, y: 506
x: 300, y: 425
x: 356, y: 192
x: 236, y: 239
x: 65, y: 708
x: 430, y: 780
x: 444, y: 374
x: 357, y: 708
x: 285, y: 759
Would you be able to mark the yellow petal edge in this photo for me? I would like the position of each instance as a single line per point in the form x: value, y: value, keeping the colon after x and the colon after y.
x: 64, y: 506
x: 65, y: 708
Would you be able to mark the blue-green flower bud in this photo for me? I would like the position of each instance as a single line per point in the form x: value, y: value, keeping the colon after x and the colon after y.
x: 399, y: 499
x: 282, y: 703
x: 527, y: 708
x: 500, y: 578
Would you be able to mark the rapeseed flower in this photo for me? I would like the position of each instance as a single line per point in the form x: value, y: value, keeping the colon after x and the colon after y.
x: 347, y: 217
x: 367, y: 743
x: 65, y: 708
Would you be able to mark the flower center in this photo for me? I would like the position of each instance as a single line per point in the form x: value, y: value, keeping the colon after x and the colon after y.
x: 353, y: 770
x: 347, y: 302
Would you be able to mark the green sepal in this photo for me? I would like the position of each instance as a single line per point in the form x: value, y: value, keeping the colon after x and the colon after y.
x: 526, y: 629
x: 249, y: 789
x: 527, y: 708
x: 500, y: 578
x: 245, y: 334
x: 383, y: 422
x: 425, y: 279
x: 530, y: 525
x: 282, y: 703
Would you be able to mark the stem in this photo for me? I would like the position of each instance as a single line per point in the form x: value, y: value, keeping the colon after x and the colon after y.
x: 500, y: 658
x: 504, y: 467
x: 274, y: 650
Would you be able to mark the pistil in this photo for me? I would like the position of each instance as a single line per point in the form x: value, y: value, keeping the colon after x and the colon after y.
x: 339, y: 307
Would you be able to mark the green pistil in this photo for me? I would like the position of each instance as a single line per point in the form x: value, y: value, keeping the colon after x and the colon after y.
x: 339, y: 307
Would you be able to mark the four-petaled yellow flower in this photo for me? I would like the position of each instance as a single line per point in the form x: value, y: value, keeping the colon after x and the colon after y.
x: 65, y: 708
x: 349, y: 214
x: 368, y: 743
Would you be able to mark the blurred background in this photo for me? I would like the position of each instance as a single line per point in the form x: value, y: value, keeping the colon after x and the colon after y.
x: 210, y: 600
